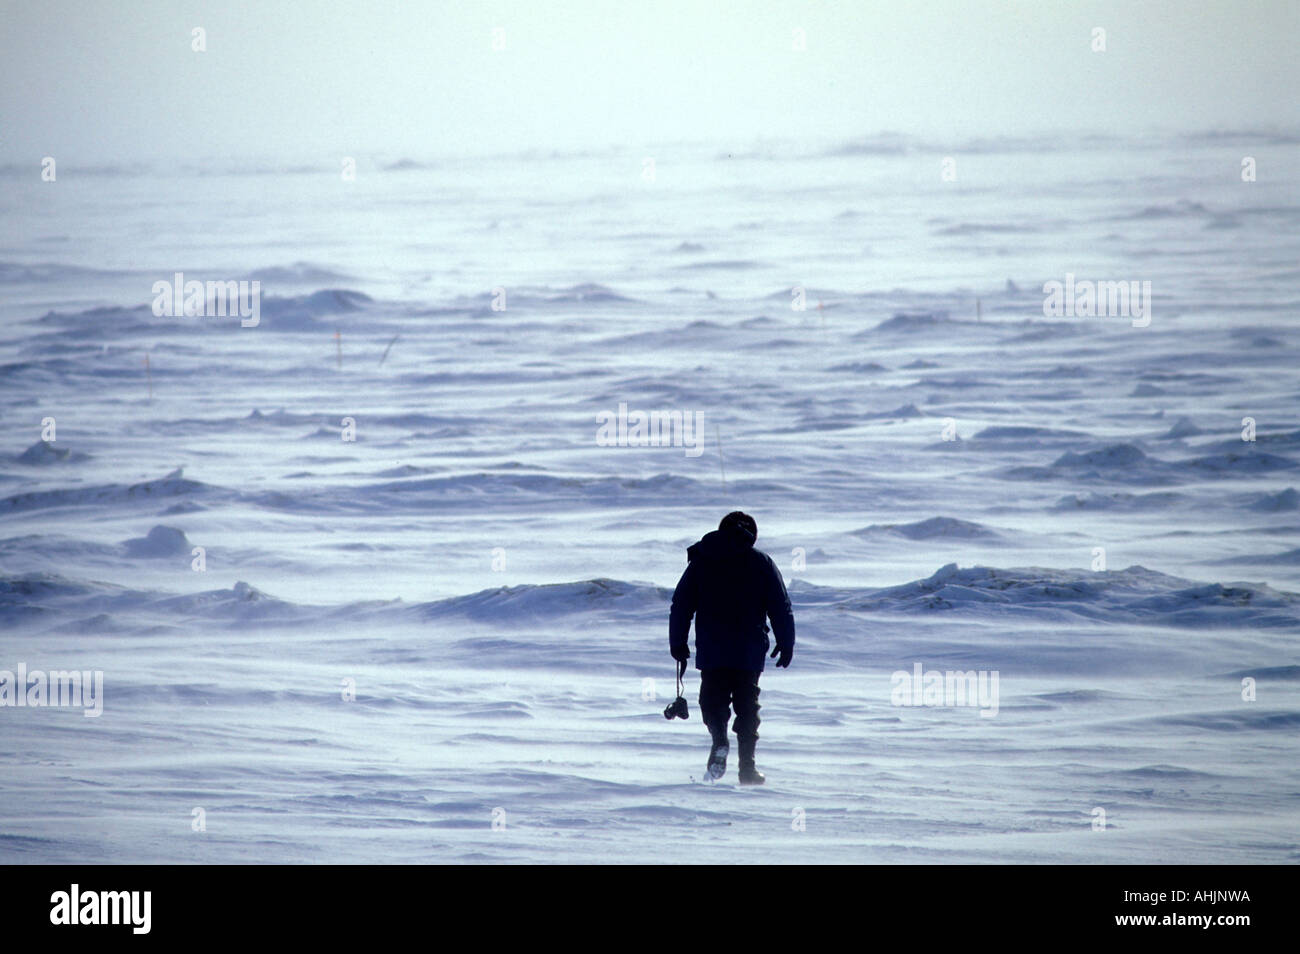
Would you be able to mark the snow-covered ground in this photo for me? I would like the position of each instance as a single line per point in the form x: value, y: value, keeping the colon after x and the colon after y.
x: 945, y: 476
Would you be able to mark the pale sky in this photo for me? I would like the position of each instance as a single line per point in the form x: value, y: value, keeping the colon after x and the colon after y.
x: 119, y: 81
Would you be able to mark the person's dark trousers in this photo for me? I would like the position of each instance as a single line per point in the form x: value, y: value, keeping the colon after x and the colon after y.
x: 724, y: 689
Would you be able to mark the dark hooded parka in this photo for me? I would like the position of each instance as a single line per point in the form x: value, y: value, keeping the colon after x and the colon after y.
x: 731, y: 589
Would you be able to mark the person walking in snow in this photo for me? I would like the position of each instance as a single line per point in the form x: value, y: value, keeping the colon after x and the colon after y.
x: 731, y: 589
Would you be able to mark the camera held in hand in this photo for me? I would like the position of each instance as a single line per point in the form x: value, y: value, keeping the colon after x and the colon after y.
x: 678, y: 709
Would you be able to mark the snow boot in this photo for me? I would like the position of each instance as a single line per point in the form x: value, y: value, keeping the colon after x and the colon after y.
x: 749, y: 775
x: 717, y: 766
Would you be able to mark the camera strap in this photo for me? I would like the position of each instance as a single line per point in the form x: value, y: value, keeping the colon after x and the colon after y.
x: 681, y: 672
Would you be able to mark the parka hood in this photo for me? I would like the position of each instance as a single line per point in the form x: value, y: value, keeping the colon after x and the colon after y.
x: 720, y: 544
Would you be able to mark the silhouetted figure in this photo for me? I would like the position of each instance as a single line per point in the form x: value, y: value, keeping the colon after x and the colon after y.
x: 732, y: 590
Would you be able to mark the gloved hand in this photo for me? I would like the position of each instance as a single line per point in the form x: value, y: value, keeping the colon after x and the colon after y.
x: 785, y: 654
x: 680, y: 653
